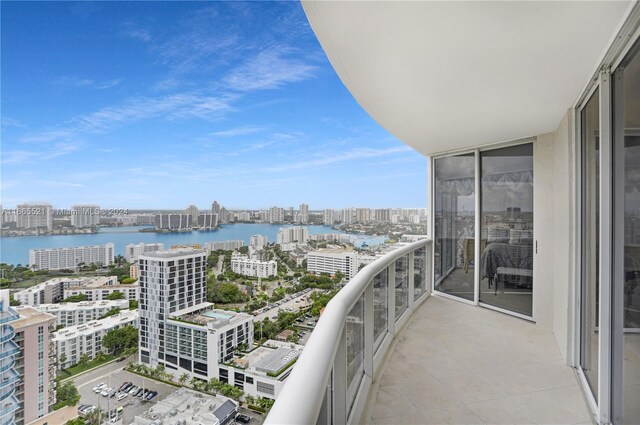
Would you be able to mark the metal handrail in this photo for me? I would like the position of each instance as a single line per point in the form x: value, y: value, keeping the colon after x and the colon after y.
x: 301, y: 398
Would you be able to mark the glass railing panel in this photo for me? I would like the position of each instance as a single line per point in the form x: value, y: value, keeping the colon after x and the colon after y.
x: 354, y: 329
x: 402, y: 285
x: 419, y: 272
x: 380, y: 306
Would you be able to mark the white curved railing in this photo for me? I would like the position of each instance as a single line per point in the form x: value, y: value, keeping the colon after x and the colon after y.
x: 331, y: 380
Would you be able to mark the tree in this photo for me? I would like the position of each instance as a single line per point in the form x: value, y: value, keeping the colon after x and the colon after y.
x: 76, y: 421
x: 84, y: 359
x: 133, y: 304
x: 244, y: 250
x: 67, y: 394
x: 183, y: 378
x: 12, y: 301
x: 62, y: 358
x: 119, y: 340
x: 76, y: 298
x: 111, y: 312
x: 115, y: 295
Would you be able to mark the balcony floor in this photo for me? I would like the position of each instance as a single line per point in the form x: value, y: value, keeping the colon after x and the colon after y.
x: 459, y: 364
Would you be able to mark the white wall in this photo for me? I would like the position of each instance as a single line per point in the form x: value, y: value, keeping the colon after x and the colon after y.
x: 553, y: 223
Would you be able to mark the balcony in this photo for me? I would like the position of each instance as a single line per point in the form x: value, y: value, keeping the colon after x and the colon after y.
x: 380, y: 356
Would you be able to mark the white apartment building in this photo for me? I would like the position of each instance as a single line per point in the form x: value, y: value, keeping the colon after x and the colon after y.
x: 198, y: 338
x: 257, y: 242
x: 85, y: 215
x: 223, y: 245
x: 72, y: 314
x: 170, y: 281
x: 293, y: 234
x: 246, y: 266
x: 70, y: 258
x: 133, y: 251
x: 330, y: 217
x: 57, y: 289
x: 275, y: 215
x: 33, y: 216
x: 173, y: 221
x: 332, y: 261
x: 74, y: 341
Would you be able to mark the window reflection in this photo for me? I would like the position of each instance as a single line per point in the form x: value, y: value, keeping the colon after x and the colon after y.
x: 506, y: 246
x: 454, y: 222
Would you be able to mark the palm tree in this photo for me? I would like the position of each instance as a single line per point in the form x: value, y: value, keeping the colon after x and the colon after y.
x: 183, y: 378
x: 84, y: 359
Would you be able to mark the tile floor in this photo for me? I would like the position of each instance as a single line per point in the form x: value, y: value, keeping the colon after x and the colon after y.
x: 459, y: 364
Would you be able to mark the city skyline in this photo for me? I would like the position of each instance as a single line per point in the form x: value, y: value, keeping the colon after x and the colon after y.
x: 233, y: 101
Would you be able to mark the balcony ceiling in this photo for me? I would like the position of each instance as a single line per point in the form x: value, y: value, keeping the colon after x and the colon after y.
x: 449, y: 75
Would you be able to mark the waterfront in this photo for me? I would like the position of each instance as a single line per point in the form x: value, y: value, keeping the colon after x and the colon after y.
x: 15, y: 250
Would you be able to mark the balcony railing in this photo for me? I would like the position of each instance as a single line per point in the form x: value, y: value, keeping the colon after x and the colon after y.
x: 331, y: 380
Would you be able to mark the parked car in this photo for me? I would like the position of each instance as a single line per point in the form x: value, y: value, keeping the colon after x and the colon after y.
x: 243, y: 418
x: 152, y: 395
x: 98, y: 388
x: 122, y: 396
x: 105, y: 392
x: 139, y: 392
x: 133, y: 390
x: 124, y: 385
x: 128, y: 386
x: 112, y: 393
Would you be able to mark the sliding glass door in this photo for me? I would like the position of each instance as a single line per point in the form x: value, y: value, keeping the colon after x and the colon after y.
x: 454, y: 222
x: 506, y: 217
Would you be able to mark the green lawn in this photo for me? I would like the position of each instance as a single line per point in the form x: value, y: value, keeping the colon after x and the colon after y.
x: 74, y: 370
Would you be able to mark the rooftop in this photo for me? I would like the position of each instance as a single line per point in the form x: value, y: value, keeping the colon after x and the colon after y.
x: 272, y: 357
x: 189, y: 406
x: 84, y: 305
x: 125, y: 316
x: 205, y: 315
x: 173, y: 253
x: 29, y: 316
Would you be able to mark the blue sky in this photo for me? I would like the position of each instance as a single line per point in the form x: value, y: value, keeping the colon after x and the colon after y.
x: 162, y: 105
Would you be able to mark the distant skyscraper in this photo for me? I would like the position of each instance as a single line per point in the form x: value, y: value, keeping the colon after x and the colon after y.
x: 330, y: 217
x: 363, y: 214
x: 275, y: 215
x: 193, y: 211
x: 173, y: 221
x: 223, y: 216
x: 32, y: 216
x: 169, y: 281
x: 304, y: 213
x: 85, y: 215
x: 71, y: 258
x: 215, y: 208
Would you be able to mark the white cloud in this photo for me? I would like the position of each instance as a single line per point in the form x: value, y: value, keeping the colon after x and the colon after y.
x: 352, y: 155
x: 268, y: 70
x: 87, y: 83
x: 10, y: 122
x: 238, y: 131
x: 32, y: 156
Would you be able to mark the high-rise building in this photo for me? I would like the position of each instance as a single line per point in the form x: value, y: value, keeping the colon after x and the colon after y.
x: 71, y: 258
x: 193, y: 211
x: 173, y: 221
x: 275, y: 215
x: 215, y: 207
x: 258, y: 242
x: 223, y: 215
x: 292, y: 234
x: 8, y: 352
x: 304, y: 214
x: 169, y: 281
x: 133, y: 251
x: 223, y: 245
x: 34, y: 216
x: 207, y: 221
x: 85, y: 215
x: 363, y: 215
x: 35, y: 363
x: 330, y: 217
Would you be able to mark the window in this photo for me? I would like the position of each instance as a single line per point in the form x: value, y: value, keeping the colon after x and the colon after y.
x: 265, y: 388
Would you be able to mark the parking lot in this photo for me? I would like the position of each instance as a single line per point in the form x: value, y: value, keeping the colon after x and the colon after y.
x: 132, y: 405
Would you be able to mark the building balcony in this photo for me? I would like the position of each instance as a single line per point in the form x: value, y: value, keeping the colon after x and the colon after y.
x: 386, y: 351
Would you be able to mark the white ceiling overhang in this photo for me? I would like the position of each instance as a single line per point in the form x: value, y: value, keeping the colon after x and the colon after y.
x: 449, y: 75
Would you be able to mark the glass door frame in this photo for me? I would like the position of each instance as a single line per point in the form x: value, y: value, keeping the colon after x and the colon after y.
x: 608, y: 408
x: 477, y: 221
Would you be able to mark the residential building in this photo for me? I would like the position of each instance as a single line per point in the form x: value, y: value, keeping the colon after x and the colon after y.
x: 71, y: 258
x: 303, y: 214
x: 207, y: 221
x: 246, y: 266
x: 362, y: 215
x: 347, y: 216
x: 223, y: 217
x: 8, y: 352
x: 257, y: 242
x: 332, y: 261
x: 289, y: 237
x: 514, y: 105
x: 35, y: 363
x: 34, y: 216
x: 170, y: 281
x: 57, y: 289
x: 275, y: 215
x: 85, y: 215
x: 133, y: 251
x: 193, y: 211
x: 215, y: 208
x: 223, y: 245
x: 173, y: 221
x: 133, y: 271
x: 72, y: 314
x: 186, y: 406
x: 330, y: 217
x: 74, y: 341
